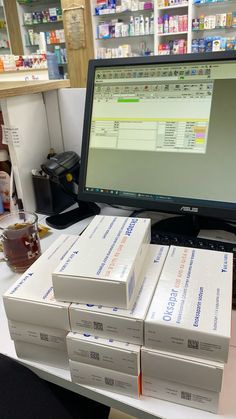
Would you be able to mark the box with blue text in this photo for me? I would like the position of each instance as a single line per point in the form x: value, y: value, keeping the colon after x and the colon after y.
x: 191, y: 309
x: 104, y: 264
x: 117, y: 323
x: 31, y: 298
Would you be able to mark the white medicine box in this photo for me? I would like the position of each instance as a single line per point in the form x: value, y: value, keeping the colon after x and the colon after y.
x: 190, y: 312
x: 104, y: 264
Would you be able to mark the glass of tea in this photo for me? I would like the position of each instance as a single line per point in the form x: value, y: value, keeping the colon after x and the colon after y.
x: 20, y: 239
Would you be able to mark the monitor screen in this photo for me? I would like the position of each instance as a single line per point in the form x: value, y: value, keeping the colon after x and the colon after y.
x: 160, y: 133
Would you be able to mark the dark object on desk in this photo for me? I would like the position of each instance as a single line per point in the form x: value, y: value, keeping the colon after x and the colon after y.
x: 23, y: 395
x: 63, y: 171
x: 49, y: 196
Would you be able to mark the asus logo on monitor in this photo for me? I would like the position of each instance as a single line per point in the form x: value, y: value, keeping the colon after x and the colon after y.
x: 189, y: 209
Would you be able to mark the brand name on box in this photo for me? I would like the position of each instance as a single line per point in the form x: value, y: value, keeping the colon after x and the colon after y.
x: 131, y: 226
x: 170, y: 305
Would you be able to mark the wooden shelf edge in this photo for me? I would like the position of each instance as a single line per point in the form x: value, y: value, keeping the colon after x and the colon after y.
x: 19, y: 88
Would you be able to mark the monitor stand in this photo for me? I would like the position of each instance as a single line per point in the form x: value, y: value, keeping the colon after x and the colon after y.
x: 66, y: 219
x: 190, y: 225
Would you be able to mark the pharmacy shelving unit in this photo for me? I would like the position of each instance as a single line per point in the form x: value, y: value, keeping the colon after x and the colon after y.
x: 165, y: 36
x: 139, y: 44
x: 201, y: 10
x: 157, y: 40
x: 5, y: 47
x: 32, y: 47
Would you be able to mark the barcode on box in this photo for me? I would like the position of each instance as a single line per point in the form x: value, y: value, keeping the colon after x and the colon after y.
x: 44, y: 336
x: 193, y: 344
x: 97, y: 326
x: 185, y: 395
x: 94, y: 355
x: 109, y: 381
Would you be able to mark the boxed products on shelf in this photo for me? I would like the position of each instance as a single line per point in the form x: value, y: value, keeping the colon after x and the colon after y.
x: 121, y: 324
x: 172, y: 24
x: 53, y: 14
x: 177, y: 46
x: 22, y: 62
x: 120, y: 51
x: 168, y: 3
x: 103, y: 266
x: 2, y: 24
x: 191, y: 309
x: 108, y: 7
x: 52, y: 37
x: 4, y: 42
x: 218, y: 21
x: 137, y: 26
x: 213, y: 43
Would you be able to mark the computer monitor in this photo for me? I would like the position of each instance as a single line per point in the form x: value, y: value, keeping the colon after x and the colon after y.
x: 160, y: 134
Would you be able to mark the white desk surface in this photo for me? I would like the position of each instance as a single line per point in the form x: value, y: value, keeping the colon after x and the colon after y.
x: 146, y: 407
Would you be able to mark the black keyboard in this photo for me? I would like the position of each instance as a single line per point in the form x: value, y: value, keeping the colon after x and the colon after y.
x: 168, y: 239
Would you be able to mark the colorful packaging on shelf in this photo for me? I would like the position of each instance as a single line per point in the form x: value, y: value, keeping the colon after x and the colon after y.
x: 191, y: 309
x: 103, y: 266
x: 103, y: 31
x: 121, y: 324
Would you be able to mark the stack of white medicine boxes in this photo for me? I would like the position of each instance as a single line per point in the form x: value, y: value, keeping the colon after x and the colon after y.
x: 38, y: 324
x: 187, y: 328
x: 110, y: 274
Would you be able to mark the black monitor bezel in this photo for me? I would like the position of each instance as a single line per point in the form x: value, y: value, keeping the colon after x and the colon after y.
x: 210, y: 208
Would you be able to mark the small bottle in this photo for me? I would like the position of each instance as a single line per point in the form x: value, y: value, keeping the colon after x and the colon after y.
x: 5, y: 173
x: 131, y: 26
x: 146, y: 25
x: 151, y: 31
x: 141, y: 25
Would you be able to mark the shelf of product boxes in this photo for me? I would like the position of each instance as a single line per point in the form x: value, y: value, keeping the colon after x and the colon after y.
x: 42, y: 27
x: 178, y: 6
x: 4, y: 38
x: 122, y: 37
x: 113, y: 13
x: 215, y: 3
x: 213, y: 29
x: 173, y: 33
x: 167, y: 18
x: 132, y: 21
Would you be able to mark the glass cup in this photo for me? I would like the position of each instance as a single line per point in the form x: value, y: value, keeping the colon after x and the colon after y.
x: 20, y: 239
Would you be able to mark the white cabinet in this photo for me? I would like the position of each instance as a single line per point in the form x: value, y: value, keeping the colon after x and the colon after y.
x: 5, y: 47
x: 42, y: 29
